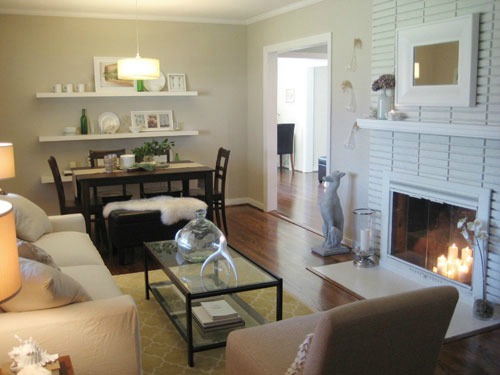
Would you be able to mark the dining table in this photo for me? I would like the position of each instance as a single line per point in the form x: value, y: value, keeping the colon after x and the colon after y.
x: 85, y: 179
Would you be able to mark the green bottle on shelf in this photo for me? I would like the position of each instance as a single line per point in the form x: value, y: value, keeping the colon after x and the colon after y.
x: 83, y: 123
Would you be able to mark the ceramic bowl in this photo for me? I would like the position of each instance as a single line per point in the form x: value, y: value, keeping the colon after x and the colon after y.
x: 135, y: 129
x: 69, y: 130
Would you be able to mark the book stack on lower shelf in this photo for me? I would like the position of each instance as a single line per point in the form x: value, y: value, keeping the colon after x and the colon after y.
x: 214, y: 315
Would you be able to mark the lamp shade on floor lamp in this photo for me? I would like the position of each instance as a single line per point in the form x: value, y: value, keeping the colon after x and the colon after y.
x: 10, y: 278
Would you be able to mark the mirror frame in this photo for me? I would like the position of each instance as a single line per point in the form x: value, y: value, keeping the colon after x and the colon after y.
x: 465, y: 29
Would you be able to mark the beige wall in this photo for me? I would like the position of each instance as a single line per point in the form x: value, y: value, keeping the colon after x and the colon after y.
x: 40, y: 51
x: 222, y: 62
x: 346, y: 20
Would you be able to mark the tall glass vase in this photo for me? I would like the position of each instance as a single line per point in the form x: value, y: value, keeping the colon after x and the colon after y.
x: 385, y: 103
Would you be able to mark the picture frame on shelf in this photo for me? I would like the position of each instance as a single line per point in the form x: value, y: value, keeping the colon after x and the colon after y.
x: 176, y: 82
x: 152, y: 120
x: 106, y: 76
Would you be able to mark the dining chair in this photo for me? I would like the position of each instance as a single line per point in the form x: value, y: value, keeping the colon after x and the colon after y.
x: 72, y: 206
x: 96, y: 158
x: 285, y: 142
x: 219, y: 188
x: 156, y: 189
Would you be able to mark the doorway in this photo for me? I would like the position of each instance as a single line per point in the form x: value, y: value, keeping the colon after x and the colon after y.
x: 320, y: 44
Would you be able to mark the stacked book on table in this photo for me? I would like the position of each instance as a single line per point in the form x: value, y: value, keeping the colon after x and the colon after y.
x: 213, y: 315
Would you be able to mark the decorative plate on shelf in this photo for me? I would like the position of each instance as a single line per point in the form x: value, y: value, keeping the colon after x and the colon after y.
x: 155, y: 84
x: 108, y: 122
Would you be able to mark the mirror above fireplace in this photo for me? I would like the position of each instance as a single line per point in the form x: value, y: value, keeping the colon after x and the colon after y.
x: 437, y: 63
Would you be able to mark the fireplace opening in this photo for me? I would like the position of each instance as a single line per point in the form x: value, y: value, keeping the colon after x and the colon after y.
x: 424, y: 233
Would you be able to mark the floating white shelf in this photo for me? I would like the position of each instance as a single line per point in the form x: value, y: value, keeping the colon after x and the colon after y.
x: 98, y: 137
x: 454, y: 130
x: 112, y: 94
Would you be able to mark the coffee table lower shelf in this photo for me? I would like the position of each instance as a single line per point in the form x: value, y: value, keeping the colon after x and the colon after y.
x: 174, y: 305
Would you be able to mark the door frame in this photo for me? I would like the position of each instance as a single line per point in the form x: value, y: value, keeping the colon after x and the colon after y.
x: 270, y: 104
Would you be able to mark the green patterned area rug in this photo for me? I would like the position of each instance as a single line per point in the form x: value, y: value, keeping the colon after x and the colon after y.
x: 163, y: 349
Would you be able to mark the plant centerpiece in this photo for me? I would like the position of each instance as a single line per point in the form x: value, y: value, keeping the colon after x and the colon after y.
x: 386, y: 84
x: 474, y: 234
x: 153, y: 151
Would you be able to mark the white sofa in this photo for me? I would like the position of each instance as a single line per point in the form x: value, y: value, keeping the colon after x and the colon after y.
x: 101, y: 335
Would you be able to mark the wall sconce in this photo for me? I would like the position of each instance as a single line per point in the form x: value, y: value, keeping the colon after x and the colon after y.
x: 349, y: 142
x: 7, y: 168
x: 138, y: 68
x: 353, y: 65
x: 347, y: 87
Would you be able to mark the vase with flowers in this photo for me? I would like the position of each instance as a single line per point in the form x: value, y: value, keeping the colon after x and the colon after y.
x: 385, y: 84
x: 474, y: 234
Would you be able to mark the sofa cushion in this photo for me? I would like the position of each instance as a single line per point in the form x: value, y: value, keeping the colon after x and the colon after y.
x: 70, y: 248
x: 31, y: 221
x: 96, y: 279
x: 44, y: 287
x: 29, y: 250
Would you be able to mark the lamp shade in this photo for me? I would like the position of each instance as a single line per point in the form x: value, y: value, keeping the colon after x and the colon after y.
x: 138, y: 68
x: 7, y: 169
x: 10, y: 275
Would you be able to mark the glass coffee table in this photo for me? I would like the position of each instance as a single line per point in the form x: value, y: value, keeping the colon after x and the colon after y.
x: 186, y: 288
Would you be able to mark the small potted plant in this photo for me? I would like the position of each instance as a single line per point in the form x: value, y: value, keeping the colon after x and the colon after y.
x: 153, y: 151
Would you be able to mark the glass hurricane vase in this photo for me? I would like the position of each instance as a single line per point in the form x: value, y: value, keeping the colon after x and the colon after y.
x: 199, y: 239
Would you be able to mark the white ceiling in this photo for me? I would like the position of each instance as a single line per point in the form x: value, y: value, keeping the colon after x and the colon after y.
x: 214, y: 11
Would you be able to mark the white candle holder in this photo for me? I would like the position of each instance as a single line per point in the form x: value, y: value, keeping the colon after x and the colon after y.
x: 363, y: 244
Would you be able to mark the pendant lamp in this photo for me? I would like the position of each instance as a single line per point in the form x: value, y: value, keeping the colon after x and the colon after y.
x: 138, y: 68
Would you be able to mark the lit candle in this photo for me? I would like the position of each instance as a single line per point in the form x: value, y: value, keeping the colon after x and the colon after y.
x: 452, y: 268
x: 466, y: 253
x: 468, y: 261
x: 453, y: 252
x: 463, y: 273
x: 364, y: 242
x: 441, y: 265
x: 451, y: 274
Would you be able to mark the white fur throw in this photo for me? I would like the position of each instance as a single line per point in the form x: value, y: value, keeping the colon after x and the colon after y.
x: 172, y: 209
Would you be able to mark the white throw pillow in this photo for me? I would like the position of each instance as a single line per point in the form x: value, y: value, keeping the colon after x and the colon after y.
x: 297, y: 367
x: 29, y: 250
x: 31, y: 221
x: 44, y: 287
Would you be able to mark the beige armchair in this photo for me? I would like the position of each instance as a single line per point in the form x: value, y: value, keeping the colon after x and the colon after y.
x: 399, y: 334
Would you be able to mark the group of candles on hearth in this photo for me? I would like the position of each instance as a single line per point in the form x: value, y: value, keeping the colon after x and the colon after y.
x: 454, y: 267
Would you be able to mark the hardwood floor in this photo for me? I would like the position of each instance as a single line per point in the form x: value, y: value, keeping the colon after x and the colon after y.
x: 284, y: 248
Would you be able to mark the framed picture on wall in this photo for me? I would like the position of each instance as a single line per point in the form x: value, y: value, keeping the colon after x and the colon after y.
x: 176, y: 82
x: 152, y: 120
x: 106, y: 76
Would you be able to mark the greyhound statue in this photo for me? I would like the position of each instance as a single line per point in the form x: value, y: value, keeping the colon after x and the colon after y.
x: 333, y: 218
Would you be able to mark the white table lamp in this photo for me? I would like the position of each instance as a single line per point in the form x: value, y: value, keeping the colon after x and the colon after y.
x: 7, y: 169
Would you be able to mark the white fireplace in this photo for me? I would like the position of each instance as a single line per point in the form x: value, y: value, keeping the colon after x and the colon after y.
x: 419, y: 231
x: 443, y: 162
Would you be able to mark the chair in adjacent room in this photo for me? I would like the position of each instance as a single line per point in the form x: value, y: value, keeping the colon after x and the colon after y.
x: 96, y: 158
x: 219, y: 188
x: 393, y: 335
x: 285, y: 143
x: 72, y: 206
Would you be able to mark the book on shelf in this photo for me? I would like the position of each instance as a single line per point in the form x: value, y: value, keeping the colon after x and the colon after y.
x: 220, y: 327
x: 202, y: 317
x: 219, y: 310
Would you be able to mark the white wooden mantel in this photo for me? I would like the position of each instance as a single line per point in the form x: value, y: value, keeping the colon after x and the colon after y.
x: 455, y: 130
